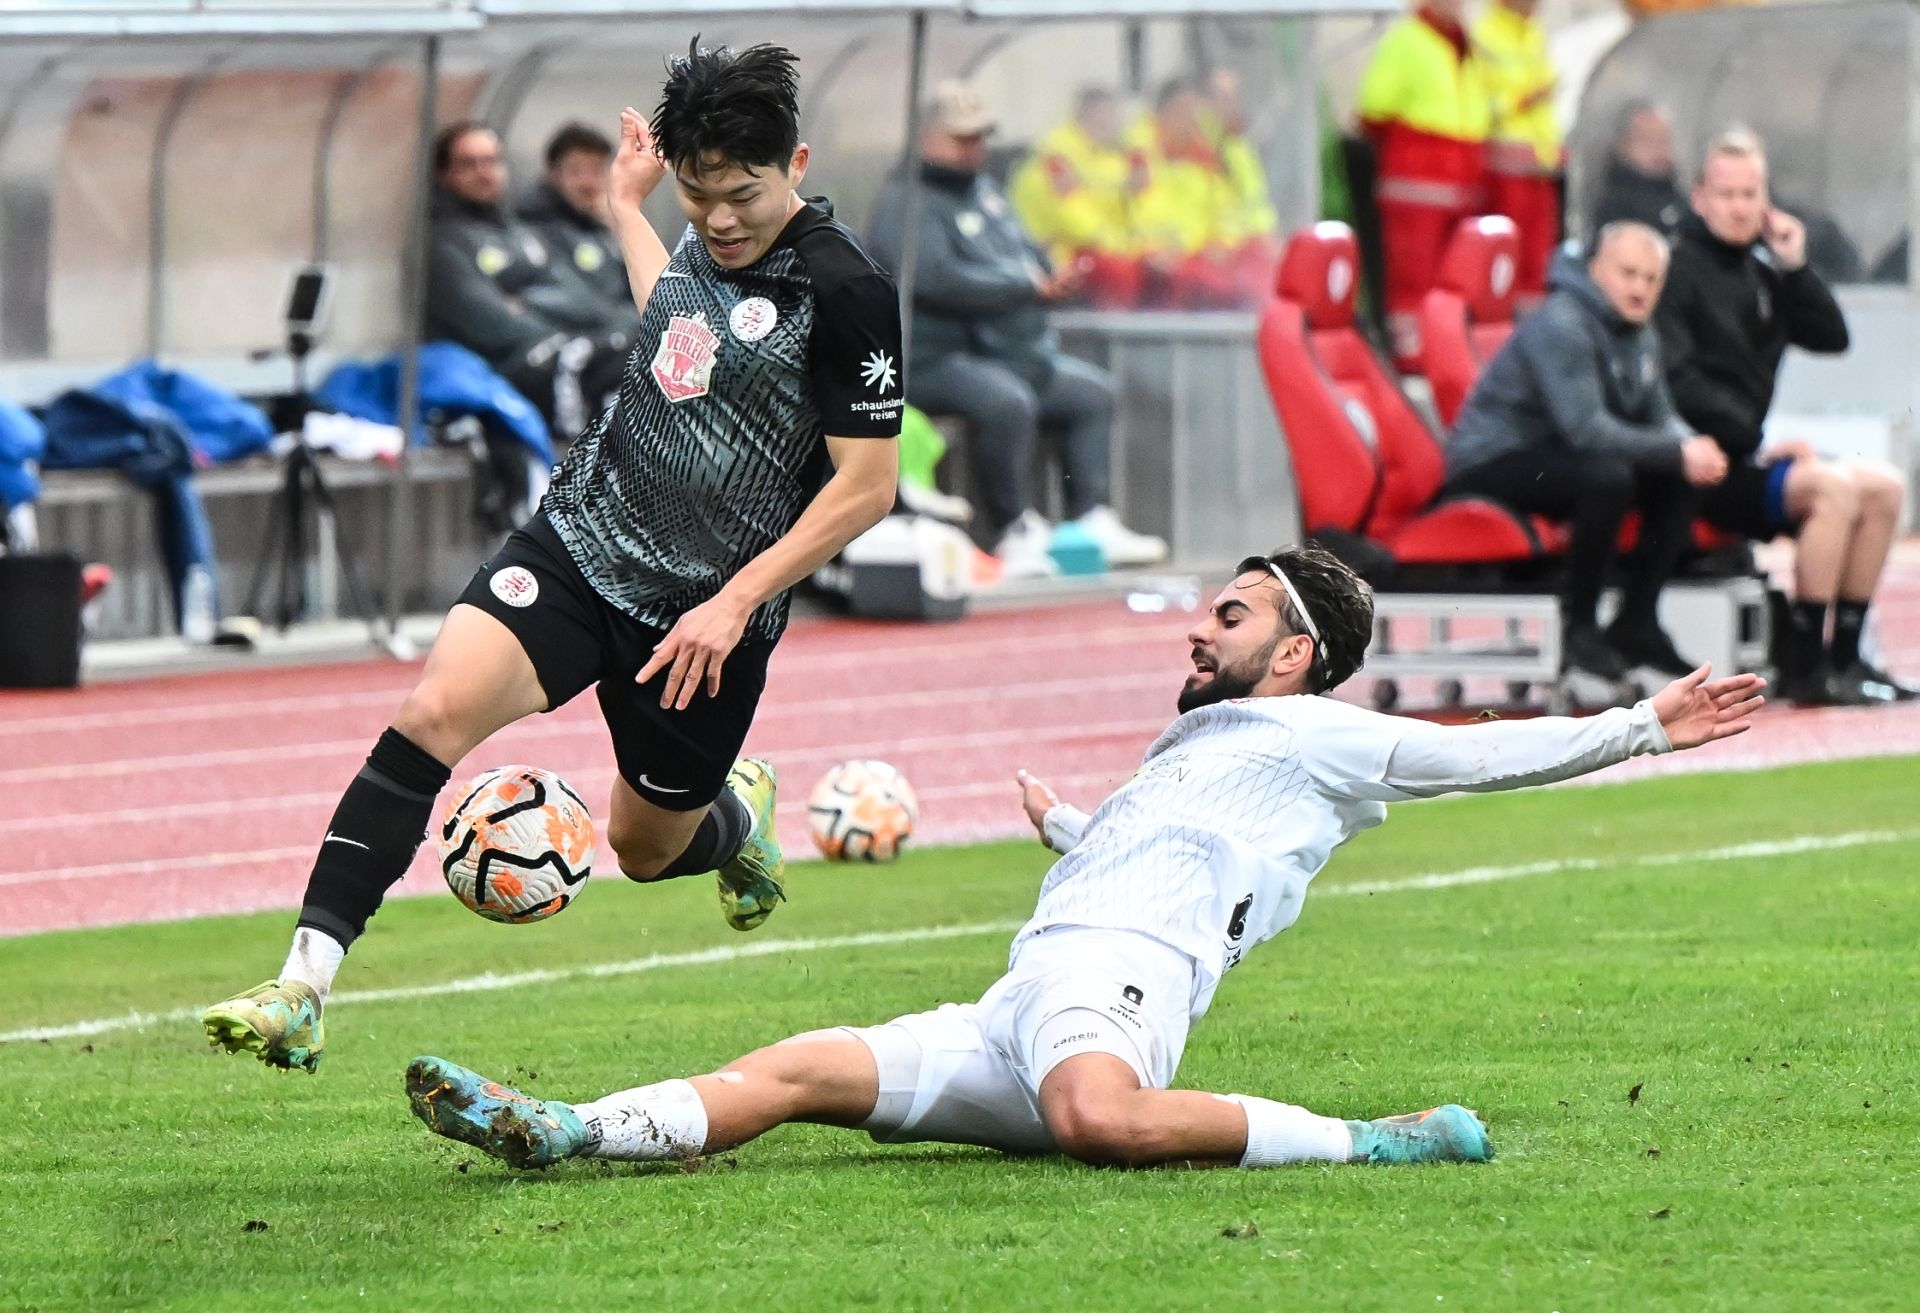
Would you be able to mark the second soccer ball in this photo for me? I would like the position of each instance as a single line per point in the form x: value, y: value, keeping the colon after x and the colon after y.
x: 862, y: 811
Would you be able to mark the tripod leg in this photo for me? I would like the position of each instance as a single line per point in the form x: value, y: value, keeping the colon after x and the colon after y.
x: 358, y: 597
x: 272, y: 547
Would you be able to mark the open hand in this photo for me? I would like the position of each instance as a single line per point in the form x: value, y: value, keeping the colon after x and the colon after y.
x: 1694, y: 709
x: 1038, y: 798
x: 694, y: 650
x: 637, y: 167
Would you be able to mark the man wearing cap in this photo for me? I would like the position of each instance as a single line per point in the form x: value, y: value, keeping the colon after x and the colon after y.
x: 982, y: 347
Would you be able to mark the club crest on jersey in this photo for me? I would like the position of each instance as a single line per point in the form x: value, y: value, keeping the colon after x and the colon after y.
x: 753, y: 319
x: 516, y: 586
x: 683, y: 366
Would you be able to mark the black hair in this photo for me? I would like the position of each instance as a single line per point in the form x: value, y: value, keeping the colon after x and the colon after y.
x: 1339, y: 601
x: 727, y: 108
x: 577, y: 137
x: 445, y: 140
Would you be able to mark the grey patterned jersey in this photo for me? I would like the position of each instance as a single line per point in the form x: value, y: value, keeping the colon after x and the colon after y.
x: 717, y: 440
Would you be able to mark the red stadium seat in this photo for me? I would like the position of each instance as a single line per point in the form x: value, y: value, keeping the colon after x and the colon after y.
x: 1365, y: 463
x: 1468, y: 315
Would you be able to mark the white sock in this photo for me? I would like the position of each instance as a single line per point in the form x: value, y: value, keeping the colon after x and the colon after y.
x: 313, y: 959
x: 651, y: 1123
x: 1282, y: 1133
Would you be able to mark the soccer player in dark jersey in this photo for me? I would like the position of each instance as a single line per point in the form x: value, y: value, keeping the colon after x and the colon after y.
x: 659, y: 562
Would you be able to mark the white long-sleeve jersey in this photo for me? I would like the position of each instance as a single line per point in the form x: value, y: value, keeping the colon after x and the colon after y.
x: 1211, y: 845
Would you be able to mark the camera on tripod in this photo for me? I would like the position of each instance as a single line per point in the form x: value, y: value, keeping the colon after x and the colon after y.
x: 304, y: 511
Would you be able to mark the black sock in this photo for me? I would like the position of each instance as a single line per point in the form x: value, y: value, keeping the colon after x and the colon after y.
x: 1848, y: 619
x: 375, y: 831
x: 722, y: 834
x: 1806, y: 637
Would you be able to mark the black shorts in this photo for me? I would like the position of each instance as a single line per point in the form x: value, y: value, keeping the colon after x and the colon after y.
x: 1751, y: 501
x: 674, y: 759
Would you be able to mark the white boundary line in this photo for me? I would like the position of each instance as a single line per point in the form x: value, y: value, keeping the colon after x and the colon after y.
x: 489, y: 982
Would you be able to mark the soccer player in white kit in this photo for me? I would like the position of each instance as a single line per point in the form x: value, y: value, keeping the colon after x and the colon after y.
x: 1205, y: 853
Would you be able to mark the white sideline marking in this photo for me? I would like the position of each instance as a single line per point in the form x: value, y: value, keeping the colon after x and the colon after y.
x: 489, y: 982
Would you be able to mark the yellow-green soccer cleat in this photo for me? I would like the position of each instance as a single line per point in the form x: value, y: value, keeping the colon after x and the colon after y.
x: 278, y: 1022
x: 751, y: 883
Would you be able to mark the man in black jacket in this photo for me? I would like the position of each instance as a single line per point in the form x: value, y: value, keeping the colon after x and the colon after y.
x: 493, y: 287
x: 568, y: 211
x: 1739, y: 294
x: 1572, y: 420
x: 982, y: 347
x: 1639, y: 182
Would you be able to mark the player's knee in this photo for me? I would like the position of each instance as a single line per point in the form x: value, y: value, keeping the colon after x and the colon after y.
x: 1880, y: 493
x: 433, y: 720
x: 1834, y: 493
x: 639, y: 851
x: 1101, y: 1132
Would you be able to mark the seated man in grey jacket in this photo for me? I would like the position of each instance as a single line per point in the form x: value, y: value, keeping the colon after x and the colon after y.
x: 1572, y: 419
x: 495, y: 288
x: 567, y: 210
x: 982, y: 347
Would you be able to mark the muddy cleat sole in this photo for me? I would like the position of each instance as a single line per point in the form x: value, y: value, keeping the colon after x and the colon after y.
x: 278, y: 1022
x: 752, y: 884
x: 1447, y: 1134
x: 516, y: 1128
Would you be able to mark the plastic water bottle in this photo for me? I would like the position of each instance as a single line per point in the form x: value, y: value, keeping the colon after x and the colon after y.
x: 198, y: 620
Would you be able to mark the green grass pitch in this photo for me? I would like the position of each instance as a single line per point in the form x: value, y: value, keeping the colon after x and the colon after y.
x: 1699, y: 1074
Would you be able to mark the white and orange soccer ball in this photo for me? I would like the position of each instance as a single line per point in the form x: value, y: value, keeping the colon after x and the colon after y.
x: 517, y: 844
x: 862, y: 811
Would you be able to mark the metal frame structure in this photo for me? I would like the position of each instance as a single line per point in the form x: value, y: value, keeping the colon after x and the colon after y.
x: 200, y: 39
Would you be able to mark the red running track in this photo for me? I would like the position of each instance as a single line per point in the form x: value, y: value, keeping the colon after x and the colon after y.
x: 192, y: 795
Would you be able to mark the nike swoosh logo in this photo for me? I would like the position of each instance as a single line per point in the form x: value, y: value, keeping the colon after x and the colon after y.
x: 674, y: 273
x: 661, y: 788
x: 338, y: 838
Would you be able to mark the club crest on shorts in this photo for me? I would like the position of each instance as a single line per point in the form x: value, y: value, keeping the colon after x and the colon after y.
x: 683, y: 366
x: 515, y: 586
x: 753, y: 319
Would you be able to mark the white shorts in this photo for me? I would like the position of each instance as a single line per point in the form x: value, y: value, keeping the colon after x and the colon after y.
x: 970, y: 1073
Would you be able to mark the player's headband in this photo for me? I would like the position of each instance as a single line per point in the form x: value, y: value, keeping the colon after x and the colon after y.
x: 1306, y: 617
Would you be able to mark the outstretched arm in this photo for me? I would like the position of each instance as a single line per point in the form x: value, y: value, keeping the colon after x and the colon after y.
x: 1429, y: 760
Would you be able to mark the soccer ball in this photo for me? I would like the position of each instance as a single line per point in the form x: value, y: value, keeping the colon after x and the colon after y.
x: 517, y: 844
x: 862, y: 811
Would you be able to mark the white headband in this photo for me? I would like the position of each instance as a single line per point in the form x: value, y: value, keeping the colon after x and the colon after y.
x: 1300, y: 609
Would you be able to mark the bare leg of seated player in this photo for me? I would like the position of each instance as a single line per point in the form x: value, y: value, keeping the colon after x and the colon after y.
x: 1093, y: 1105
x: 1847, y: 514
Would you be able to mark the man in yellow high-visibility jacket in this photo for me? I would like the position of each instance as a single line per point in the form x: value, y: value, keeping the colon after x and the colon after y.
x: 1074, y: 194
x: 1526, y: 149
x: 1424, y: 103
x: 1195, y: 208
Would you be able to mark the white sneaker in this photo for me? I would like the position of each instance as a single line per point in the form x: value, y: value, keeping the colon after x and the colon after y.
x: 1023, y: 549
x: 1119, y: 544
x: 937, y: 505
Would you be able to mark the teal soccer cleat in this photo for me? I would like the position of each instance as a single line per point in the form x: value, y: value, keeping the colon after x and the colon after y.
x: 1447, y: 1134
x: 750, y: 884
x: 516, y: 1128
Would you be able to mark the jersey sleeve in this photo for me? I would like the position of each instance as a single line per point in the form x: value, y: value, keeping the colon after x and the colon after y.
x: 855, y: 359
x: 1394, y: 758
